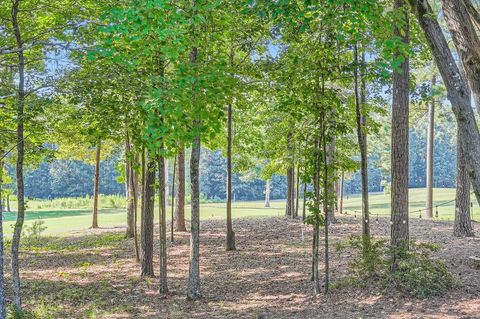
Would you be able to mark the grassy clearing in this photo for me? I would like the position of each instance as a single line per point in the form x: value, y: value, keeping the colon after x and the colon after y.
x: 62, y: 216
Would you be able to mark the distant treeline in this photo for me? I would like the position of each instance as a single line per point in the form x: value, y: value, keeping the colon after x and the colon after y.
x: 67, y: 178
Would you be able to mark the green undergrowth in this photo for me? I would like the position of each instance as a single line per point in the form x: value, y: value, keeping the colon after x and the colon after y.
x: 417, y: 273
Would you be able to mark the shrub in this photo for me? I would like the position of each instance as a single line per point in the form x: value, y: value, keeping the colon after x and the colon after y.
x: 417, y: 273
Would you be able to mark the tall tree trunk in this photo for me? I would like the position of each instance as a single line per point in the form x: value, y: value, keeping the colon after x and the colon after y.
x: 361, y: 117
x: 230, y: 244
x: 326, y: 206
x: 304, y: 208
x: 400, y: 106
x: 466, y: 41
x: 330, y: 153
x: 162, y: 209
x: 173, y: 199
x: 167, y: 178
x: 193, y: 291
x: 342, y: 191
x: 297, y: 191
x: 17, y: 232
x: 180, y: 192
x: 290, y: 206
x: 267, y: 193
x: 316, y: 226
x: 430, y: 145
x: 9, y: 210
x: 129, y: 190
x: 134, y: 183
x: 2, y: 253
x: 95, y: 185
x: 147, y: 220
x: 463, y: 224
x: 457, y: 89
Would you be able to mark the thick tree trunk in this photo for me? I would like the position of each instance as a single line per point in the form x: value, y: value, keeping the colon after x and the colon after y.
x: 361, y: 117
x: 17, y: 232
x: 466, y: 41
x: 129, y: 190
x: 463, y: 224
x: 2, y: 252
x: 430, y: 145
x: 267, y: 193
x: 95, y: 185
x: 180, y: 192
x: 193, y: 290
x: 230, y: 243
x: 162, y: 209
x: 147, y: 220
x: 457, y: 89
x: 399, y: 162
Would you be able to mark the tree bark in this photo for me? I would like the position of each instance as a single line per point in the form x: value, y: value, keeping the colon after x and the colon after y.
x: 167, y: 178
x: 267, y: 193
x: 430, y: 146
x: 316, y: 226
x: 361, y: 117
x: 129, y: 190
x: 326, y: 207
x: 95, y: 185
x: 400, y: 106
x: 147, y: 220
x: 463, y: 224
x: 180, y: 192
x: 457, y: 89
x: 466, y: 41
x: 297, y: 191
x: 134, y: 181
x: 193, y: 290
x: 2, y: 252
x: 342, y: 191
x: 330, y: 158
x: 162, y: 209
x: 304, y: 208
x: 173, y: 199
x: 230, y: 243
x: 17, y: 232
x: 9, y: 210
x: 290, y: 206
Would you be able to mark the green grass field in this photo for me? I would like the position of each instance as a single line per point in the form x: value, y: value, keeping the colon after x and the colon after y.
x: 64, y: 220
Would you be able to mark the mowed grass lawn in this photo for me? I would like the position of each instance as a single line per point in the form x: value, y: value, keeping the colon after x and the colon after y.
x: 64, y: 221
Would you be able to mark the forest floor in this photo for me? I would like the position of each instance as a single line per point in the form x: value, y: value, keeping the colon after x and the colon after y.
x: 93, y: 274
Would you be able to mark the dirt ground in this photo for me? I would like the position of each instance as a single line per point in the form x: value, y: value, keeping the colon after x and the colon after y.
x: 93, y: 274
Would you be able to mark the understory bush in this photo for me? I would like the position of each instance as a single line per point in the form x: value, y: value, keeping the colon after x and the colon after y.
x: 417, y: 272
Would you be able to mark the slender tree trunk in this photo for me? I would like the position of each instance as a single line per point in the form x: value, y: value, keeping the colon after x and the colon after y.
x: 230, y: 244
x: 180, y: 192
x: 17, y: 232
x: 400, y: 103
x: 9, y: 210
x: 2, y: 253
x: 267, y: 193
x: 326, y: 206
x: 463, y: 224
x: 430, y: 145
x: 129, y: 190
x: 134, y: 181
x: 304, y: 208
x: 290, y: 206
x: 457, y: 89
x: 361, y: 116
x: 162, y: 209
x: 95, y: 185
x: 167, y: 178
x: 173, y: 199
x: 330, y: 153
x: 297, y: 191
x: 147, y: 220
x: 316, y: 226
x: 193, y: 291
x: 342, y: 191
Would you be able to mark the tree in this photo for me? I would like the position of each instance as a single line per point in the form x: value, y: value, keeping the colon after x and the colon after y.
x: 180, y: 192
x: 400, y: 103
x: 430, y: 145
